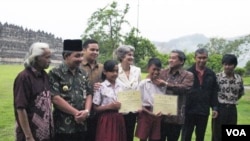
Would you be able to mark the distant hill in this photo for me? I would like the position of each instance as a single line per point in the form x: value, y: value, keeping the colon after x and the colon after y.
x: 189, y: 44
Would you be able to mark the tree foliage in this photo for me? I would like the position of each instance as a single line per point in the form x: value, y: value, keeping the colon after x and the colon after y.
x: 223, y: 46
x: 189, y: 60
x: 143, y: 47
x: 105, y: 26
x: 247, y: 68
x: 214, y: 62
x: 240, y: 71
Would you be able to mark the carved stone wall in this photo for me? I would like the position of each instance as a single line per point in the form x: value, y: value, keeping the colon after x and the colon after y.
x: 15, y: 42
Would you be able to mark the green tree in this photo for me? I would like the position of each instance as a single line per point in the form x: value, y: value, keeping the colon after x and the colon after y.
x: 164, y: 59
x: 105, y: 26
x: 247, y: 68
x: 214, y: 62
x: 144, y: 49
x: 240, y: 71
x: 223, y: 46
x: 189, y: 60
x: 215, y: 45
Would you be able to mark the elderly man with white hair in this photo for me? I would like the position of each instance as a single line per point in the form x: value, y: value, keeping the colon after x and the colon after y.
x: 32, y: 99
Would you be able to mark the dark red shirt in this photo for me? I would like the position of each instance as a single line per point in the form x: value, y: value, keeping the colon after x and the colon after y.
x: 31, y: 92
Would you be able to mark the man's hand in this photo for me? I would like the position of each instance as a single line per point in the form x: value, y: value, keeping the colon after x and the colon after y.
x: 97, y: 86
x: 214, y: 114
x: 81, y: 116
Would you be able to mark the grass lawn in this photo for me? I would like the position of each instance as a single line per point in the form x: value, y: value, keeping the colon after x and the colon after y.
x: 246, y: 80
x: 7, y: 122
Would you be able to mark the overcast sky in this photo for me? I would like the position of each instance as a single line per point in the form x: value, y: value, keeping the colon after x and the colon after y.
x: 158, y: 20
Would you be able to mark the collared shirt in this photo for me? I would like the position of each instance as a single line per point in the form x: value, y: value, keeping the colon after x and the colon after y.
x: 31, y: 92
x: 179, y: 84
x: 230, y: 89
x: 200, y: 74
x: 106, y: 94
x: 148, y: 89
x: 203, y: 96
x: 95, y: 74
x: 131, y: 82
x: 72, y: 88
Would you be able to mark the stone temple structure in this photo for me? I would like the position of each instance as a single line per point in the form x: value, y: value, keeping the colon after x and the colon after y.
x: 15, y: 42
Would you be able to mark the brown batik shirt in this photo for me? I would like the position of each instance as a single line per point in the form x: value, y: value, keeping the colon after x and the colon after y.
x: 31, y: 92
x: 179, y: 84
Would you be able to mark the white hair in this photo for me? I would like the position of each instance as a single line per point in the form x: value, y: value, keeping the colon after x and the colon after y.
x: 36, y: 49
x: 122, y: 50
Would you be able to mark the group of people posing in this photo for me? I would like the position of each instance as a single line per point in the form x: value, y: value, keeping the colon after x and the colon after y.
x: 78, y: 99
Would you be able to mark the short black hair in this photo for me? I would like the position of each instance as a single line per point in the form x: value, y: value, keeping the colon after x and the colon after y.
x: 229, y: 59
x: 201, y: 51
x: 154, y: 61
x: 181, y: 55
x: 89, y: 41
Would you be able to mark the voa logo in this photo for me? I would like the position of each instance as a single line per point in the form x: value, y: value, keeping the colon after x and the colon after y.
x: 236, y: 132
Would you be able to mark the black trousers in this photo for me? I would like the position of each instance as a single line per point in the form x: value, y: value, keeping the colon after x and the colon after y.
x: 197, y: 123
x: 91, y: 127
x: 170, y: 131
x: 130, y: 120
x: 80, y: 136
x: 227, y: 115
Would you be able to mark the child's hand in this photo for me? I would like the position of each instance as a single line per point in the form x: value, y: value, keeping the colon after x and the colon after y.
x: 115, y: 105
x: 159, y: 114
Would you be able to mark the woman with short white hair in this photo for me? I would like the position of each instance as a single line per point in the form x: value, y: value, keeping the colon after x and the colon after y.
x: 129, y: 77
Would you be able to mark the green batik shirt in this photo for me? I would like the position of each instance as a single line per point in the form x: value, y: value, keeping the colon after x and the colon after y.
x: 73, y: 89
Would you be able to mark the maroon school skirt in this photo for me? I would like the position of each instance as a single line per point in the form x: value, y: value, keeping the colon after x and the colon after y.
x: 110, y: 127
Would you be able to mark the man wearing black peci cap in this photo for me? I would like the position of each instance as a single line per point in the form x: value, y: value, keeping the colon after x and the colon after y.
x: 71, y: 94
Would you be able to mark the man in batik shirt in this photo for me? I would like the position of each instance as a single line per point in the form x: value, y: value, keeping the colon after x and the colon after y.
x: 32, y: 99
x: 178, y: 82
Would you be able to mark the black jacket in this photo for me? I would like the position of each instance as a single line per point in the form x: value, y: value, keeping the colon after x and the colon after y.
x: 202, y: 96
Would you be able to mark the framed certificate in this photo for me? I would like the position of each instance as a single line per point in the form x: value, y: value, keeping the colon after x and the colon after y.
x: 130, y: 101
x: 166, y: 104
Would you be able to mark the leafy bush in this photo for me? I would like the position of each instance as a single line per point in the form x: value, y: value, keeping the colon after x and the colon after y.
x: 240, y: 71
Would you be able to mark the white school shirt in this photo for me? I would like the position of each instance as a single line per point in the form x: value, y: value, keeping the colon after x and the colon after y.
x: 106, y: 94
x: 148, y: 89
x: 132, y: 82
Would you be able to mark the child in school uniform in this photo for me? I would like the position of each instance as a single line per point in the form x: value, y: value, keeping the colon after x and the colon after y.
x: 149, y: 124
x: 110, y: 125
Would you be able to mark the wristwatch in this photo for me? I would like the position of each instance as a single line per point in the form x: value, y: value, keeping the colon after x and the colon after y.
x: 86, y: 110
x: 166, y: 83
